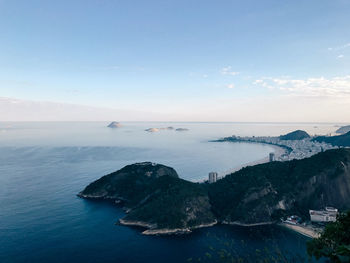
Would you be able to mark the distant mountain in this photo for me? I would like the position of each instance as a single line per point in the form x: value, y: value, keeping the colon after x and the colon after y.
x: 340, y: 140
x: 343, y: 130
x: 295, y: 135
x: 155, y: 198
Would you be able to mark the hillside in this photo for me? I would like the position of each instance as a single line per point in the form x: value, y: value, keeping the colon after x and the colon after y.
x: 155, y: 198
x: 264, y: 192
x: 339, y: 140
x: 295, y: 135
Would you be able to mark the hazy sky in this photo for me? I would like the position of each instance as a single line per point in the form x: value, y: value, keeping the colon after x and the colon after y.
x: 261, y: 60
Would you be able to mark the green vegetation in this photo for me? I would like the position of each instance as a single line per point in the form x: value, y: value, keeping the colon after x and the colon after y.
x: 131, y: 184
x: 175, y: 203
x: 334, y: 242
x: 295, y: 135
x: 153, y: 194
x: 340, y: 140
x: 262, y: 193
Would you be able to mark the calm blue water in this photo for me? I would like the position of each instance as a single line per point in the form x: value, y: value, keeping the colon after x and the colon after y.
x: 44, y: 165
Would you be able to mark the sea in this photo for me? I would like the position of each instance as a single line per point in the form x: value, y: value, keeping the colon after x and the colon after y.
x: 43, y: 165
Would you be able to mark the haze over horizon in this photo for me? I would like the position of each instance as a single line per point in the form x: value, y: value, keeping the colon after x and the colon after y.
x: 175, y: 60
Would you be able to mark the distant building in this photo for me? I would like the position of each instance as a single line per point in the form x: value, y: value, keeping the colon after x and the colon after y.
x: 213, y: 177
x: 272, y: 157
x: 327, y: 215
x: 293, y: 220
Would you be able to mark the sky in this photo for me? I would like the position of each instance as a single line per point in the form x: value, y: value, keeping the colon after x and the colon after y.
x: 183, y: 60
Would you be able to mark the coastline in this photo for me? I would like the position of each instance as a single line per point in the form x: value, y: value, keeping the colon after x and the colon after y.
x: 151, y: 229
x: 277, y: 150
x: 236, y: 223
x: 307, y: 231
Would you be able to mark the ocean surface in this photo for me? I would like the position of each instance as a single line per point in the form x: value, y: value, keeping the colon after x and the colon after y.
x: 43, y: 165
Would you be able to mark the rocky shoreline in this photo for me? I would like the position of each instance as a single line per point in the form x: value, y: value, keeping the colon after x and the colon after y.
x: 151, y: 229
x: 236, y: 223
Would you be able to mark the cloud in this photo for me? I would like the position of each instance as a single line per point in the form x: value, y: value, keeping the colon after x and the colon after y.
x: 231, y: 86
x: 340, y: 56
x: 228, y: 71
x: 336, y: 87
x: 347, y: 45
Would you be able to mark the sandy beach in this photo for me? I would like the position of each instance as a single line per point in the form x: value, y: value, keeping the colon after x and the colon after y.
x: 309, y: 231
x: 278, y: 151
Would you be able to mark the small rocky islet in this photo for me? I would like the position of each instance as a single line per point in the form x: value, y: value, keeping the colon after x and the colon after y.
x: 115, y: 124
x: 170, y: 128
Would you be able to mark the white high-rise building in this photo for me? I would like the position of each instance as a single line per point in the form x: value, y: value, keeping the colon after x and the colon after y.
x: 213, y: 177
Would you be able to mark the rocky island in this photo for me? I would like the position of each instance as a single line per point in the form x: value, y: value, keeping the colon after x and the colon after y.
x: 154, y: 197
x: 114, y: 124
x: 182, y: 129
x: 170, y: 128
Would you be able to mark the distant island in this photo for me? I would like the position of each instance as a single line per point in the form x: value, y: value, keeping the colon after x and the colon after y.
x: 343, y: 129
x: 152, y: 130
x: 114, y: 124
x: 154, y: 197
x: 182, y: 129
x: 170, y: 128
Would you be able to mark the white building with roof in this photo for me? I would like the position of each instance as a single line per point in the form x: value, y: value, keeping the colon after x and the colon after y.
x: 329, y: 214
